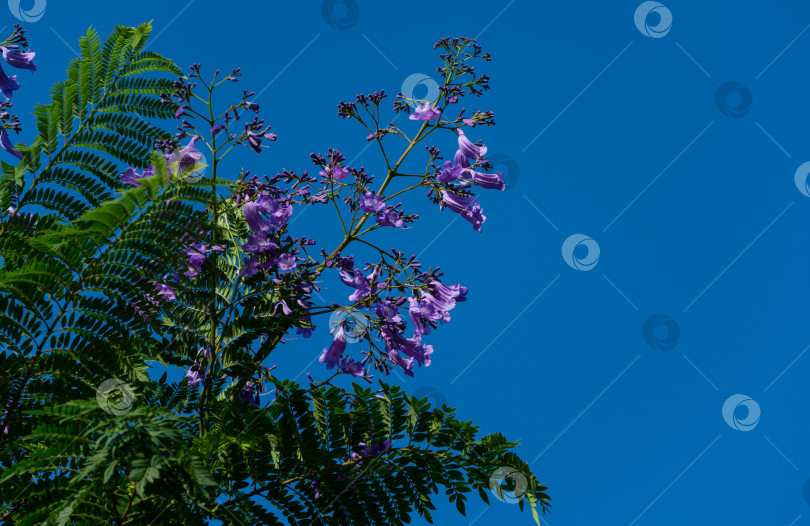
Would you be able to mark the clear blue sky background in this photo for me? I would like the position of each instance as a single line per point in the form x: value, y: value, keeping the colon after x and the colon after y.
x: 617, y: 135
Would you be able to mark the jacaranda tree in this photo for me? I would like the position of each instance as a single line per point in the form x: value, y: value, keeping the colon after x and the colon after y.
x: 125, y: 244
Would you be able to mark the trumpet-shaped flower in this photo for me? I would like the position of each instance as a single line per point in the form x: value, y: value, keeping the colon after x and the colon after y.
x: 457, y: 169
x: 469, y: 149
x: 5, y: 143
x: 349, y: 366
x: 19, y: 60
x: 467, y: 207
x: 8, y: 85
x: 331, y: 356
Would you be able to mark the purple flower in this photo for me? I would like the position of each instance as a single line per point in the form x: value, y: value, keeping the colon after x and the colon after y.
x: 131, y: 176
x: 372, y: 203
x: 435, y: 305
x: 358, y: 281
x: 279, y: 211
x: 286, y: 262
x: 252, y: 106
x: 216, y: 129
x: 185, y: 160
x: 351, y: 367
x: 415, y: 314
x: 411, y: 347
x: 249, y: 268
x: 331, y: 356
x: 390, y: 218
x: 250, y: 394
x: 469, y: 149
x: 254, y: 142
x: 165, y: 291
x: 284, y: 308
x: 493, y: 181
x: 396, y: 343
x: 338, y: 172
x: 316, y: 486
x: 306, y: 332
x: 196, y: 257
x: 195, y: 374
x: 454, y: 170
x: 405, y: 363
x: 425, y: 112
x: 252, y: 212
x: 180, y: 110
x: 372, y: 449
x: 453, y: 293
x: 5, y: 143
x: 19, y: 60
x: 467, y: 207
x: 388, y: 311
x: 8, y: 85
x: 260, y: 244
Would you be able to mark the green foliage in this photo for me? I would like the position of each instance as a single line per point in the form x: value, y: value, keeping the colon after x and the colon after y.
x: 87, y: 464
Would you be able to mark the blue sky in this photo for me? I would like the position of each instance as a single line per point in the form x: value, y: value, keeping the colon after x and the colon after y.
x: 620, y: 135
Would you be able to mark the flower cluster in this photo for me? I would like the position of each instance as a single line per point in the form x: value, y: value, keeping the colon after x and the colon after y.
x: 401, y: 303
x: 15, y: 56
x: 460, y: 169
